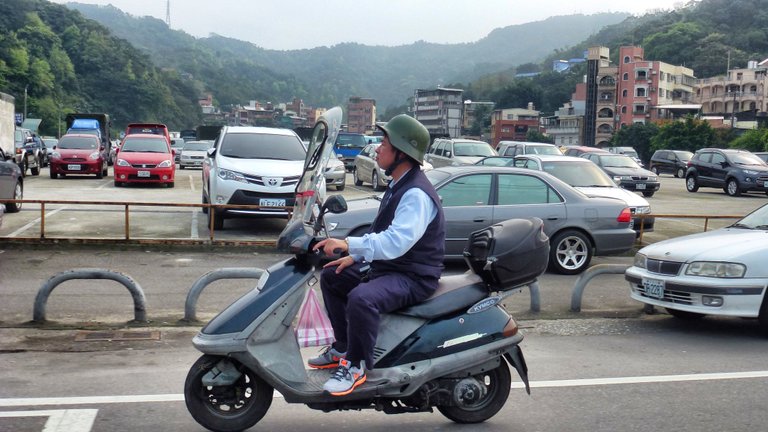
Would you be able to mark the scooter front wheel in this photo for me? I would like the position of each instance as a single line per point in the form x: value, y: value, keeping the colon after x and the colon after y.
x: 226, y: 408
x: 497, y: 383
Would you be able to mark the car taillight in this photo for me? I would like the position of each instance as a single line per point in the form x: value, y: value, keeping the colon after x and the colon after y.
x: 625, y: 216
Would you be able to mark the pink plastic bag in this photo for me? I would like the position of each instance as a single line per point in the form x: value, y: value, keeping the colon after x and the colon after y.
x: 314, y: 327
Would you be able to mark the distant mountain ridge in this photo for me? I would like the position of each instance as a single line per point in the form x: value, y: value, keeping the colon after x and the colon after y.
x: 325, y: 76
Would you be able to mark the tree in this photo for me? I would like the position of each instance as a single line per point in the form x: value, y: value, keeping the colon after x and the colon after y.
x: 690, y: 134
x: 536, y: 136
x: 753, y: 140
x: 481, y: 121
x: 637, y: 136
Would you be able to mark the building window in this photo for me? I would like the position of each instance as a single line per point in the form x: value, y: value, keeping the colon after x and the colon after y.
x: 624, y: 93
x: 640, y: 92
x: 625, y: 77
x: 639, y: 109
x: 739, y: 76
x: 623, y: 110
x: 626, y: 59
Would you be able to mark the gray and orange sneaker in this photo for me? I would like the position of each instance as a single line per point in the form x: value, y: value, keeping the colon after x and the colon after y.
x: 327, y: 359
x: 345, y: 379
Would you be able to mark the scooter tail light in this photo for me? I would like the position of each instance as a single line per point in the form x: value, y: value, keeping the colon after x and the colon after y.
x: 625, y: 216
x: 510, y: 329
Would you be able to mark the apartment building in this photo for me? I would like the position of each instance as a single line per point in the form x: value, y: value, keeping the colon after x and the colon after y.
x: 361, y: 115
x: 566, y: 127
x: 738, y: 95
x: 513, y: 124
x: 440, y: 110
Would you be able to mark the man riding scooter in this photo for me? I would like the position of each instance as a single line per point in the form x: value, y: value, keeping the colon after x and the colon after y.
x: 404, y: 249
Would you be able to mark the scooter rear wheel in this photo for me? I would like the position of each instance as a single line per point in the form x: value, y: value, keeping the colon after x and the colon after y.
x: 497, y: 384
x: 226, y: 409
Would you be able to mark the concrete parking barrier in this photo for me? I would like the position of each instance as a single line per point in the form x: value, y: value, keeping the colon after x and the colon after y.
x: 588, y: 275
x: 139, y: 301
x: 190, y: 305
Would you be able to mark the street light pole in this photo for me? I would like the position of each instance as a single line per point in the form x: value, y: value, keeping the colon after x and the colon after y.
x: 25, y: 101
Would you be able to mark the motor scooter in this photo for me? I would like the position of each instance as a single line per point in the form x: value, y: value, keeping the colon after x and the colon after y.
x: 451, y: 352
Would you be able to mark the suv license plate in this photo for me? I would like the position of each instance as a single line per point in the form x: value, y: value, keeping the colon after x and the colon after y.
x: 265, y: 202
x: 143, y: 174
x: 640, y: 186
x: 73, y: 167
x: 654, y: 288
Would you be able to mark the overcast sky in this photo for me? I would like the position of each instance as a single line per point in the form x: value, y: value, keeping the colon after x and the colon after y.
x: 286, y: 25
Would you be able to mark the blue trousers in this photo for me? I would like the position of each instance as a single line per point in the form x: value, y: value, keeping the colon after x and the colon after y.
x: 354, y: 306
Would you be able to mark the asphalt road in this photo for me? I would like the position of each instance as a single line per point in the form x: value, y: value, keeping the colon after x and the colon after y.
x: 609, y: 367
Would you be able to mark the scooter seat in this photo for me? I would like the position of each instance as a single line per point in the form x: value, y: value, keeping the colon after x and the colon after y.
x: 453, y: 293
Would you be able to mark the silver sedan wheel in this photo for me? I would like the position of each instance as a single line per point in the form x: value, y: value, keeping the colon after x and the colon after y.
x: 572, y: 252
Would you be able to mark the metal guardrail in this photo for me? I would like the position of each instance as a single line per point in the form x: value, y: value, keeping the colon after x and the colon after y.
x: 679, y: 216
x: 127, y: 224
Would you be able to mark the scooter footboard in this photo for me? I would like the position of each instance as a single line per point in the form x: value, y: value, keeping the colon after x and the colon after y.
x: 515, y: 357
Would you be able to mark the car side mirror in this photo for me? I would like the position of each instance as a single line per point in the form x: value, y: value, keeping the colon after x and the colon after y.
x: 335, y: 204
x: 724, y: 164
x: 447, y: 154
x: 211, y: 151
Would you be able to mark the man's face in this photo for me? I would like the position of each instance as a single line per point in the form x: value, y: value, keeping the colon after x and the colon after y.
x: 385, y: 154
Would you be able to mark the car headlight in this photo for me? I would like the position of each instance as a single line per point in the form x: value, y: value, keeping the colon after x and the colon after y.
x: 716, y: 269
x: 122, y: 162
x: 225, y: 174
x: 653, y: 178
x: 94, y: 155
x: 643, y: 210
x: 164, y: 164
x: 751, y: 172
x: 55, y: 155
x: 640, y: 261
x: 618, y: 178
x: 339, y: 168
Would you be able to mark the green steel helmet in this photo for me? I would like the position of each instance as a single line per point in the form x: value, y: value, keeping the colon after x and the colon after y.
x: 406, y: 134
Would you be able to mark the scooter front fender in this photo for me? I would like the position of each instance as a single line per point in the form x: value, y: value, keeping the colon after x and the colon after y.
x: 515, y: 357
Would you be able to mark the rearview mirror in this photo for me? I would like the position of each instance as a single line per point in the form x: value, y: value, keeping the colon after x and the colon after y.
x: 335, y: 204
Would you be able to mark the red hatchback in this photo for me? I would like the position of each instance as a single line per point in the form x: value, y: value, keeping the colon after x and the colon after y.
x: 78, y: 154
x: 144, y: 158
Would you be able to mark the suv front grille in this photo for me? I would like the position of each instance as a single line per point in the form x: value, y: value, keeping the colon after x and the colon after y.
x: 671, y: 268
x: 291, y: 181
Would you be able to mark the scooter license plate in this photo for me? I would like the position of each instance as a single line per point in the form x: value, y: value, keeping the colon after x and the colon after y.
x: 654, y: 288
x: 143, y: 174
x: 72, y: 167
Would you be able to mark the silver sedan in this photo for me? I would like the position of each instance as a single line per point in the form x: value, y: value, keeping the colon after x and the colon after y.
x: 474, y: 197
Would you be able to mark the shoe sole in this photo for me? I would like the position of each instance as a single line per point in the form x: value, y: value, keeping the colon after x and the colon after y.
x: 354, y: 386
x: 325, y: 366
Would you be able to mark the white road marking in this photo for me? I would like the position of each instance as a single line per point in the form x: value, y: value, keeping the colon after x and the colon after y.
x: 191, y: 182
x: 94, y: 400
x: 79, y: 420
x: 34, y: 222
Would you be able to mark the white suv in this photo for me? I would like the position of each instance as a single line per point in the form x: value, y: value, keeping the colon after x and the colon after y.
x: 252, y: 166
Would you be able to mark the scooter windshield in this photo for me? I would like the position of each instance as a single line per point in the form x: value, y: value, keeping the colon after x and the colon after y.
x: 312, y: 182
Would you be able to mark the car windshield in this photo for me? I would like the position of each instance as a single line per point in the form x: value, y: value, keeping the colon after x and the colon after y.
x: 578, y: 174
x: 196, y: 146
x: 436, y: 176
x: 747, y: 159
x: 262, y: 146
x: 351, y: 141
x: 77, y: 143
x: 145, y: 145
x: 758, y: 219
x: 618, y: 161
x: 472, y: 149
x: 684, y: 155
x: 540, y: 149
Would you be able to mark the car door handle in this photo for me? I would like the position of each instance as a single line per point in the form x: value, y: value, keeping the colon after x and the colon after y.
x: 479, y: 219
x: 552, y: 218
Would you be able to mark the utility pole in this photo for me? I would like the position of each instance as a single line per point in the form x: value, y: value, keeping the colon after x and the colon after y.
x: 26, y: 87
x: 168, y: 13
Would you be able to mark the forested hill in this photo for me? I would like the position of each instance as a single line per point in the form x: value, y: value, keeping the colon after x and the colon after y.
x: 68, y: 63
x: 325, y: 76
